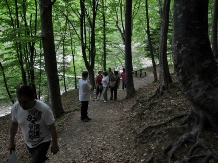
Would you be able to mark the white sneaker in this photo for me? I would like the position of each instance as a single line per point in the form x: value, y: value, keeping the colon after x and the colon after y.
x: 105, y: 101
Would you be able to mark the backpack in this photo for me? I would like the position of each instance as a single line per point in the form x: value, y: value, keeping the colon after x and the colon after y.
x: 113, y: 83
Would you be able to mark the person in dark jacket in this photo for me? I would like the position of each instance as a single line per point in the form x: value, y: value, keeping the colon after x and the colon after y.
x: 114, y: 78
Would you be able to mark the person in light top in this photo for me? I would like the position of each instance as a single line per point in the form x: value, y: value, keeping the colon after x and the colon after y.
x: 105, y: 82
x: 84, y: 96
x: 37, y: 124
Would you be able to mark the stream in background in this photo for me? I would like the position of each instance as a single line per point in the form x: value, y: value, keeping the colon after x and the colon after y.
x: 5, y: 109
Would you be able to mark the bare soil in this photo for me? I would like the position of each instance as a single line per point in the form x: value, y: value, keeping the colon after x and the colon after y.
x: 132, y: 130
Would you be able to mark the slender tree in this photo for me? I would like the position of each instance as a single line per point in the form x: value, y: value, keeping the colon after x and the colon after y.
x: 165, y: 77
x: 128, y: 50
x: 150, y: 44
x: 119, y: 20
x: 104, y: 35
x: 214, y: 29
x: 89, y: 45
x: 50, y: 56
x: 5, y: 82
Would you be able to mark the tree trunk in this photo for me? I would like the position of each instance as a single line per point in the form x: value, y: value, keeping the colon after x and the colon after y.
x: 104, y: 36
x: 195, y: 65
x: 73, y: 55
x: 128, y: 50
x: 214, y: 29
x: 165, y: 78
x: 50, y: 56
x: 197, y: 72
x: 89, y: 60
x: 64, y: 65
x: 119, y: 23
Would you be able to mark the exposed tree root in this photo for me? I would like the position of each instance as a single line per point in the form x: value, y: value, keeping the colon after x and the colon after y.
x: 154, y: 95
x: 192, y: 135
x: 159, y: 124
x: 206, y: 157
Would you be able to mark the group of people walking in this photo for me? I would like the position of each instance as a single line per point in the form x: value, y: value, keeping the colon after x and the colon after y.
x: 104, y: 81
x: 109, y: 80
x: 36, y: 118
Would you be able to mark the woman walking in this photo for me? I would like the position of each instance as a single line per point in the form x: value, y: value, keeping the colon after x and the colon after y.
x: 98, y: 86
x: 105, y: 82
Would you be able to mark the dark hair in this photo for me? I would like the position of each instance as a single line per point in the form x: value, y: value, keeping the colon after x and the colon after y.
x: 105, y: 73
x: 85, y: 74
x: 26, y: 91
x: 116, y: 72
x: 99, y: 72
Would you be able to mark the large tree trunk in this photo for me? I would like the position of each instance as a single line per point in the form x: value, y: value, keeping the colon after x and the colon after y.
x: 195, y: 65
x: 50, y: 56
x: 165, y: 78
x: 128, y: 50
x: 196, y: 70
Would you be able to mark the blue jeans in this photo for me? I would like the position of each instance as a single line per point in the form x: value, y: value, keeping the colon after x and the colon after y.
x: 105, y: 93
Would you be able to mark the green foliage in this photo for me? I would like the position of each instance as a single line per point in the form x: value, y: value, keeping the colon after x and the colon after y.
x: 16, y: 38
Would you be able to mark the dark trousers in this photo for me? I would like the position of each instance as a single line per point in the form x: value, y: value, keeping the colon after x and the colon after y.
x: 39, y: 152
x: 113, y: 93
x: 84, y: 109
x: 123, y: 84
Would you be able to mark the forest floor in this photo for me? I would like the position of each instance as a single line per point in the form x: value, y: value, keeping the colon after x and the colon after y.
x: 133, y: 130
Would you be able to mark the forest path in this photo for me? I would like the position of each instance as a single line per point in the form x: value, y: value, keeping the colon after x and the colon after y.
x: 104, y: 138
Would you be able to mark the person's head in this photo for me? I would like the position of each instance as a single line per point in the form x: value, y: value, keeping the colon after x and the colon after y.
x: 99, y: 72
x: 124, y: 69
x: 85, y: 75
x: 105, y: 73
x: 109, y: 69
x: 115, y: 73
x: 26, y: 97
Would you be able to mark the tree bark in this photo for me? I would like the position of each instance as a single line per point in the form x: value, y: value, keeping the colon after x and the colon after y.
x: 197, y: 72
x: 195, y: 65
x: 128, y: 50
x: 50, y: 56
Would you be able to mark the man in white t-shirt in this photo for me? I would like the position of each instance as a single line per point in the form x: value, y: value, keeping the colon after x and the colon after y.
x: 84, y: 96
x: 37, y: 124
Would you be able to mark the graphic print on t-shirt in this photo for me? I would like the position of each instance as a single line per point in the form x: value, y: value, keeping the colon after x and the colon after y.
x: 34, y: 128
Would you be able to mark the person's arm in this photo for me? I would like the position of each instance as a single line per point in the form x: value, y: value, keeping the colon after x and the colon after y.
x: 13, y: 132
x: 54, y: 144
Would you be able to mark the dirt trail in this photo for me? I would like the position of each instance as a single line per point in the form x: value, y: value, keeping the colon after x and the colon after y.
x: 104, y: 138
